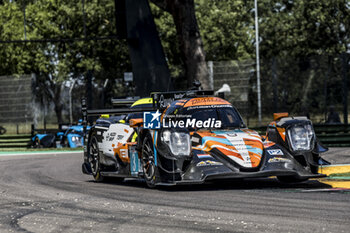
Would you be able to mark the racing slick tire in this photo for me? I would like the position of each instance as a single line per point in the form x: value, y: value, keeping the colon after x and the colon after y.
x: 148, y: 162
x: 94, y: 159
x: 65, y: 142
x: 36, y: 143
x: 290, y: 179
x: 2, y: 130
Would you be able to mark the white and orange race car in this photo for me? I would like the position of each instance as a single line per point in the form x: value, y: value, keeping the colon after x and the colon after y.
x: 193, y: 137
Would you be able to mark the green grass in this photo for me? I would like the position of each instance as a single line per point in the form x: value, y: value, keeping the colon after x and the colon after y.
x: 347, y: 174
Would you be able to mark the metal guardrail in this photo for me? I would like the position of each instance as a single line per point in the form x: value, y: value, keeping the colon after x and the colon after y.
x: 48, y: 130
x: 15, y: 141
x: 333, y: 135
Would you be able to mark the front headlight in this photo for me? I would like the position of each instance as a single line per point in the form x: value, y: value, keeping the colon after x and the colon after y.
x: 178, y: 142
x: 301, y: 137
x: 76, y: 140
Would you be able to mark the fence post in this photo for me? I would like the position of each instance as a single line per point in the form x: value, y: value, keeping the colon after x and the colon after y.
x: 274, y: 85
x: 33, y: 129
x: 211, y: 75
x: 345, y: 87
x: 325, y: 86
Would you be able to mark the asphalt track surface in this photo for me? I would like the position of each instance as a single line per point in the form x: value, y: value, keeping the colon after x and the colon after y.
x: 48, y: 193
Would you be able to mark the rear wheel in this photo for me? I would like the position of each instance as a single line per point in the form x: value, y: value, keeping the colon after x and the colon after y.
x: 36, y: 143
x: 2, y: 130
x: 94, y: 159
x: 148, y: 162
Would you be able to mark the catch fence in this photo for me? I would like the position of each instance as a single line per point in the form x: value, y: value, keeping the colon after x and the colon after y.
x: 309, y: 86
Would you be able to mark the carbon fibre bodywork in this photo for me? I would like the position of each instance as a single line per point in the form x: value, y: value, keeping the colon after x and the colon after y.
x: 232, y: 151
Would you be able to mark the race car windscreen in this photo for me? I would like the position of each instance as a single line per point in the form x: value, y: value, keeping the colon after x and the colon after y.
x: 228, y: 116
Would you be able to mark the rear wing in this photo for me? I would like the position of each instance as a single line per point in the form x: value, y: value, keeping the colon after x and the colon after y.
x: 118, y: 111
x: 160, y: 101
x: 124, y: 102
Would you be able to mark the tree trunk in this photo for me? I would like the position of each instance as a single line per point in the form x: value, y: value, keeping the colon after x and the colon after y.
x: 54, y: 93
x: 191, y: 45
x: 58, y: 108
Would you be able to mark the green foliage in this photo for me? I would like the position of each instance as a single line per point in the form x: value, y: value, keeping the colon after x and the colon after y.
x: 56, y: 62
x: 303, y: 28
x: 167, y: 33
x: 288, y: 28
x: 61, y: 19
x: 226, y: 29
x: 305, y: 38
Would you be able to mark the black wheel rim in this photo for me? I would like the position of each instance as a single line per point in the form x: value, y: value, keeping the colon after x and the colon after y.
x: 148, y: 162
x: 93, y: 158
x: 36, y: 143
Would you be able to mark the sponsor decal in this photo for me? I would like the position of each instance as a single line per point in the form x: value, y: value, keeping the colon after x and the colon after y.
x: 151, y: 120
x: 232, y: 135
x: 208, y: 163
x: 208, y: 106
x: 193, y: 123
x: 241, y: 147
x: 195, y: 139
x: 123, y: 153
x: 109, y: 137
x: 275, y: 152
x: 206, y: 101
x: 135, y: 166
x: 203, y: 155
x: 179, y: 96
x: 178, y: 115
x: 278, y: 160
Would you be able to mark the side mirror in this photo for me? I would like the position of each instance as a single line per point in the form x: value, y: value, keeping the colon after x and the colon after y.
x: 136, y: 122
x: 64, y: 127
x: 277, y: 116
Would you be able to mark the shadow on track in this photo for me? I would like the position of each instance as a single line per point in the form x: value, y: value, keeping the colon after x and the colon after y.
x: 236, y: 184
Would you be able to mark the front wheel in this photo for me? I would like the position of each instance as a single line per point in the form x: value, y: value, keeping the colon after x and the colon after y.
x: 94, y: 159
x: 65, y: 142
x: 148, y: 162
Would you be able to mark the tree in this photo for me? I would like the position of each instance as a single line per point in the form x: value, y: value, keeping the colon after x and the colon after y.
x: 226, y: 29
x: 55, y: 63
x: 188, y: 35
x: 303, y: 28
x: 304, y: 39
